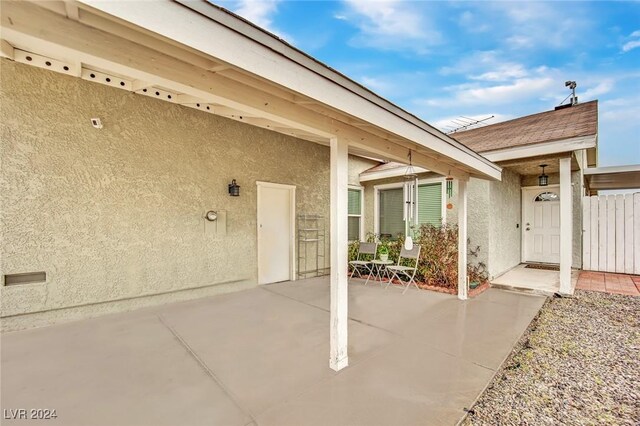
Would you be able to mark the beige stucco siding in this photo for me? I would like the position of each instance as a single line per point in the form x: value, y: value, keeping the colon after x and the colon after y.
x: 116, y: 214
x: 505, y: 213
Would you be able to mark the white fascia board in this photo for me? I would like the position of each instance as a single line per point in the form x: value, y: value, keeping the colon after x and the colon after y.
x: 269, y: 58
x: 389, y: 173
x: 613, y: 169
x: 555, y: 147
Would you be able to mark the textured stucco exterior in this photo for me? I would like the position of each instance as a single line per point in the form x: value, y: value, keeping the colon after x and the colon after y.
x: 115, y: 216
x: 505, y: 213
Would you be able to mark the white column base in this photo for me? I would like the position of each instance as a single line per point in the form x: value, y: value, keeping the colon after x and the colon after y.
x: 337, y: 365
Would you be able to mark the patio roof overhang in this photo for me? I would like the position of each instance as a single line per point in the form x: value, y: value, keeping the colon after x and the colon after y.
x: 612, y: 178
x: 199, y: 55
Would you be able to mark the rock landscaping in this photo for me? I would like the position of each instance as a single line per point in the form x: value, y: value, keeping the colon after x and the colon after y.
x: 577, y: 364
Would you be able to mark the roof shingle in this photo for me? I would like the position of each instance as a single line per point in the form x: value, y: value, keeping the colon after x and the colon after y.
x: 548, y: 126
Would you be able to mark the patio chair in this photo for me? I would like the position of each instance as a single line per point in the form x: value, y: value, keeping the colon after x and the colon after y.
x: 400, y: 271
x: 359, y: 265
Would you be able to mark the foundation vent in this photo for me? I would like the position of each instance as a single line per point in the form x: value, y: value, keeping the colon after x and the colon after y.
x: 25, y: 278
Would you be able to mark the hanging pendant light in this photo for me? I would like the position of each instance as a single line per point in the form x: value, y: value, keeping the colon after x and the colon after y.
x: 543, y: 180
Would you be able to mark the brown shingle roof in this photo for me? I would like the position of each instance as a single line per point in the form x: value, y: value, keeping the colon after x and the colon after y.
x: 570, y: 122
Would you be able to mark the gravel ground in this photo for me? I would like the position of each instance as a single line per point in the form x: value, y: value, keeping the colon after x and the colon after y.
x: 577, y: 364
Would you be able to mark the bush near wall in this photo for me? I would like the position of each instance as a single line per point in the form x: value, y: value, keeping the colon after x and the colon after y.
x: 438, y: 263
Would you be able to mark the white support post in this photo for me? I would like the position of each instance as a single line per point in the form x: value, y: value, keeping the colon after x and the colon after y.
x: 566, y: 225
x: 462, y: 240
x: 339, y: 241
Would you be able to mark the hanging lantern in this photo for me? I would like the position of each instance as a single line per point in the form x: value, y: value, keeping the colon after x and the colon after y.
x: 543, y: 180
x: 234, y: 189
x: 449, y: 180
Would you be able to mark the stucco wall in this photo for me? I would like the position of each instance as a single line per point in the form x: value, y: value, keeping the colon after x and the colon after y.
x: 505, y: 231
x: 117, y: 214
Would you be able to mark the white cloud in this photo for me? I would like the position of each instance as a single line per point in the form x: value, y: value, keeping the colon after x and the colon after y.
x: 518, y: 91
x: 635, y: 33
x: 261, y: 12
x: 600, y: 89
x: 503, y: 72
x: 630, y: 45
x: 391, y: 24
x: 540, y: 24
x: 376, y: 84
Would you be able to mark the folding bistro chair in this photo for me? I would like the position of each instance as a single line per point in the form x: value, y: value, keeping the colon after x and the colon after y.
x: 365, y: 249
x: 407, y: 272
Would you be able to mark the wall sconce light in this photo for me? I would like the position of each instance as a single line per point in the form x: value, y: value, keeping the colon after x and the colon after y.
x: 211, y: 216
x: 234, y: 189
x: 543, y: 180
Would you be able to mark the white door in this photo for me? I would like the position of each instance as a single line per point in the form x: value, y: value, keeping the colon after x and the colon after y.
x: 541, y: 223
x: 275, y: 232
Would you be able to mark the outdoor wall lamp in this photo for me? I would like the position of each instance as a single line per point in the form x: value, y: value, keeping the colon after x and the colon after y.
x: 234, y: 189
x: 543, y: 180
x: 211, y: 216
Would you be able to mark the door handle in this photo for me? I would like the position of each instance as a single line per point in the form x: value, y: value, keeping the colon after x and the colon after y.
x: 527, y: 229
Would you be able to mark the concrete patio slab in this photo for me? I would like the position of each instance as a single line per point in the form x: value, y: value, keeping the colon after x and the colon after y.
x: 261, y: 357
x: 536, y: 281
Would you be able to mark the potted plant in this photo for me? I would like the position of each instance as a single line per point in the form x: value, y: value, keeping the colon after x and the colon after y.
x: 384, y: 251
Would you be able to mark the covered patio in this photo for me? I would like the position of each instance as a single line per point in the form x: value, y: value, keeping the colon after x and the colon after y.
x: 258, y: 357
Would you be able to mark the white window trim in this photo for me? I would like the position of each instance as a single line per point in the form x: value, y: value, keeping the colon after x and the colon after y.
x: 378, y: 188
x: 361, y: 215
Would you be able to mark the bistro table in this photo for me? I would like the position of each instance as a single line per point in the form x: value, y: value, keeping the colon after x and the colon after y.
x: 379, y: 267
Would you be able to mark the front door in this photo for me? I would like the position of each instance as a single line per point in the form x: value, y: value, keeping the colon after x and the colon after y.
x: 541, y: 223
x: 275, y: 232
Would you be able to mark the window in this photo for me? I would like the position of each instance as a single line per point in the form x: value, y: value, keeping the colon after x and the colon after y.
x: 390, y: 214
x: 430, y: 204
x: 547, y: 196
x: 355, y: 214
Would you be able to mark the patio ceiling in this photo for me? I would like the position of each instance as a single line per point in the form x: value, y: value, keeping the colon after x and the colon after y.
x: 187, y: 53
x: 612, y: 178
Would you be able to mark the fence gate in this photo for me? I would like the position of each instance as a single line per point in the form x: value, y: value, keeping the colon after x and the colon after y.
x: 611, y: 233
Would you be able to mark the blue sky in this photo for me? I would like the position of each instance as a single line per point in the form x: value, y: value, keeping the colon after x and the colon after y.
x: 442, y: 60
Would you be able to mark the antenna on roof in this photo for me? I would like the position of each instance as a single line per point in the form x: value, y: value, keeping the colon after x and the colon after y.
x: 574, y: 99
x: 466, y: 123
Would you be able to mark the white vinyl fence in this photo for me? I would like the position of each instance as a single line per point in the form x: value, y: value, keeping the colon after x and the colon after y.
x: 611, y: 237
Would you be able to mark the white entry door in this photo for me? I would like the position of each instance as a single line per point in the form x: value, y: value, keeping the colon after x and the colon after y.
x: 541, y: 224
x: 276, y: 212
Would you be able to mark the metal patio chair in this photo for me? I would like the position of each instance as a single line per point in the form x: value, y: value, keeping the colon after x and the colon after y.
x: 365, y: 249
x: 407, y: 272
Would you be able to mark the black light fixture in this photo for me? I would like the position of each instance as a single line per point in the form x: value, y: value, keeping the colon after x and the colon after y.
x: 234, y: 189
x: 543, y: 180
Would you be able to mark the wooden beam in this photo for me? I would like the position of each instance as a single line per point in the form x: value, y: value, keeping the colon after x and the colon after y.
x: 6, y: 50
x: 338, y: 356
x: 36, y: 27
x: 282, y: 65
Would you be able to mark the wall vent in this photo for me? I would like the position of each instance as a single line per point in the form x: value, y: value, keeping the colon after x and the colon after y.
x: 25, y: 278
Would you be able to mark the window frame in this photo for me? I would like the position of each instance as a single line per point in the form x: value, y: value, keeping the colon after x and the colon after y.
x: 361, y: 215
